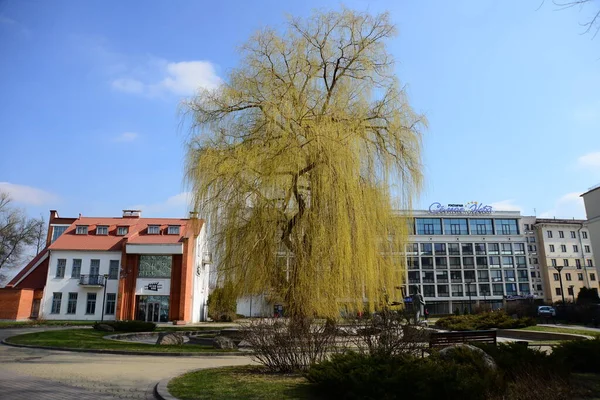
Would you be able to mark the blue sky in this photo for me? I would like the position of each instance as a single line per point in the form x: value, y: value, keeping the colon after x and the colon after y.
x: 89, y: 96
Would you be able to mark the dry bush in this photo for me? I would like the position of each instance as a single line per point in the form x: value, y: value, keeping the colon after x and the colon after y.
x: 536, y: 385
x: 284, y: 346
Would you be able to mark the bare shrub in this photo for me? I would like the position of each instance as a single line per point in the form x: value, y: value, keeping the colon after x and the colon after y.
x: 536, y: 385
x: 285, y: 346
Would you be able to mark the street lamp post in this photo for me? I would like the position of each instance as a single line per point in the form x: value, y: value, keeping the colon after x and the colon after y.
x: 103, y: 298
x: 562, y: 292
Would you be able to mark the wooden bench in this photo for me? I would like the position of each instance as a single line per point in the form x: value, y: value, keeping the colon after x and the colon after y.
x: 443, y: 339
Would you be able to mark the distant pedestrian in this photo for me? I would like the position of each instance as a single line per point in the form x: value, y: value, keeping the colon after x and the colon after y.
x: 426, y: 313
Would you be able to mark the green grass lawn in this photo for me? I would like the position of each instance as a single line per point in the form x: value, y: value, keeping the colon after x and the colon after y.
x: 40, y: 323
x: 560, y: 330
x: 246, y: 382
x: 91, y: 339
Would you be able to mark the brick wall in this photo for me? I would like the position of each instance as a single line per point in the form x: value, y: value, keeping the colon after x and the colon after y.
x: 15, y: 304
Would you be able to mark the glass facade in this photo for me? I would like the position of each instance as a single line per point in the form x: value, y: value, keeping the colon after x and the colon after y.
x: 429, y: 226
x: 455, y: 226
x: 481, y: 226
x: 155, y: 267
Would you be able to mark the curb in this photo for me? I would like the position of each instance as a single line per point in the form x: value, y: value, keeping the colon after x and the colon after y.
x: 132, y: 353
x: 161, y: 392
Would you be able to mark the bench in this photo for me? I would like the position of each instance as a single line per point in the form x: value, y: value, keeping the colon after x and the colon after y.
x: 443, y: 339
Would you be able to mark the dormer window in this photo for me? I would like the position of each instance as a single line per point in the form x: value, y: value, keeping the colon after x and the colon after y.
x: 122, y: 230
x: 81, y: 230
x: 102, y: 230
x: 173, y: 230
x: 153, y: 229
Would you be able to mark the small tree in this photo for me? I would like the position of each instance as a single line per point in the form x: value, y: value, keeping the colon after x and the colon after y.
x: 222, y: 304
x: 588, y: 296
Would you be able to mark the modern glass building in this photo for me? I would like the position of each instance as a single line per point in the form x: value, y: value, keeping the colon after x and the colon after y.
x: 459, y: 257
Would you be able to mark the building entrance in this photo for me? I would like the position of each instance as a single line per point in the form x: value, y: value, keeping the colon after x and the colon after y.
x: 153, y: 308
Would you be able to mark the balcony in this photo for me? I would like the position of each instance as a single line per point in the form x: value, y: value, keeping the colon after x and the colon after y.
x: 91, y: 280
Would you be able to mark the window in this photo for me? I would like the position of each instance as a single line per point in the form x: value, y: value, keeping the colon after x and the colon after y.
x: 111, y: 300
x: 154, y: 266
x: 509, y: 275
x: 427, y: 277
x: 428, y: 291
x: 533, y: 274
x: 507, y: 227
x: 442, y: 290
x: 91, y: 304
x: 573, y: 235
x: 561, y: 234
x: 507, y: 261
x: 468, y: 262
x: 539, y: 287
x: 521, y: 262
x: 532, y: 239
x: 122, y: 230
x: 568, y: 276
x: 496, y: 276
x: 81, y: 230
x: 575, y: 248
x: 72, y: 303
x: 553, y: 262
x: 584, y: 235
x: 556, y: 277
x: 511, y: 289
x: 558, y: 291
x: 535, y: 261
x: 412, y: 249
x: 453, y: 249
x: 526, y: 227
x: 441, y: 276
x: 467, y: 249
x: 566, y: 262
x: 578, y: 263
x: 440, y: 248
x: 95, y: 267
x: 173, y: 230
x: 113, y: 269
x: 563, y: 248
x: 570, y: 291
x: 481, y: 261
x: 457, y: 290
x: 153, y: 229
x: 61, y: 265
x: 590, y: 263
x: 456, y: 276
x: 592, y: 277
x: 497, y: 289
x: 455, y: 226
x: 429, y: 226
x: 412, y: 262
x: 56, y: 299
x: 506, y: 248
x: 551, y: 248
x: 483, y: 276
x: 587, y: 248
x: 519, y: 248
x: 481, y: 226
x: 484, y: 290
x: 524, y: 288
x: 532, y: 248
x: 427, y: 262
x: 580, y: 277
x: 494, y: 262
x: 57, y: 231
x: 549, y: 234
x: 76, y: 270
x: 426, y: 249
x: 102, y: 230
x: 413, y: 277
x: 480, y: 249
x: 454, y: 262
x: 493, y: 248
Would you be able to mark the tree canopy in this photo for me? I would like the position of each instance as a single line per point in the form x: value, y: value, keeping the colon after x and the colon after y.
x: 300, y: 160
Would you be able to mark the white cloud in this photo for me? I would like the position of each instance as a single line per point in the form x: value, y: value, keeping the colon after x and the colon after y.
x: 590, y: 160
x: 27, y: 194
x: 569, y: 205
x: 127, y: 137
x: 175, y: 206
x: 159, y: 77
x: 506, y: 205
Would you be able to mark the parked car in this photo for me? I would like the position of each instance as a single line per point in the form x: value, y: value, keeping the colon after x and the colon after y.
x: 546, y: 311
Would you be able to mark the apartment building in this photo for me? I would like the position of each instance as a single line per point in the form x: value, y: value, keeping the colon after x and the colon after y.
x: 566, y: 256
x: 124, y: 268
x: 591, y: 200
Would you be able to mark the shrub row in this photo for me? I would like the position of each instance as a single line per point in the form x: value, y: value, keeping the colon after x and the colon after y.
x: 486, y: 320
x: 128, y: 326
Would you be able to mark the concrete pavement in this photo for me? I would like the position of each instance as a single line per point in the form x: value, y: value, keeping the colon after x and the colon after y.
x: 47, y: 374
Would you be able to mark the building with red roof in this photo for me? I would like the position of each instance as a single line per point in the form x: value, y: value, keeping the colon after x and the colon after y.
x: 122, y: 268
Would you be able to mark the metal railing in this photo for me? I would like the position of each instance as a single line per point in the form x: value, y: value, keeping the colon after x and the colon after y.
x: 91, y: 280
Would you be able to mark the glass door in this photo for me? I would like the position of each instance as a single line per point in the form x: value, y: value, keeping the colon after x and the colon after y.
x: 153, y: 312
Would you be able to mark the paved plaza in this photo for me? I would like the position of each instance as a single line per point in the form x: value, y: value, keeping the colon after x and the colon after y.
x: 45, y: 374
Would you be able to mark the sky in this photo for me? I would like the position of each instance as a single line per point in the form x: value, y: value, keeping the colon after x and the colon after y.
x: 90, y: 98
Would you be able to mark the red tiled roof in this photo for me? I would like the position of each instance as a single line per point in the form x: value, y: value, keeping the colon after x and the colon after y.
x: 28, y: 268
x: 137, y: 234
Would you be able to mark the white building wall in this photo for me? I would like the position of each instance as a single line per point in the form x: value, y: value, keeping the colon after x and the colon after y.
x: 201, y: 278
x: 254, y: 306
x: 68, y: 285
x: 591, y: 200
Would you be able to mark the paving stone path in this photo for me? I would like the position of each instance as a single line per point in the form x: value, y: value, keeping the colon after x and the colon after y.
x: 45, y: 374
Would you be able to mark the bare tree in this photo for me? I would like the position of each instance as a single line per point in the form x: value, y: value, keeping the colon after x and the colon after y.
x: 592, y: 23
x: 17, y: 233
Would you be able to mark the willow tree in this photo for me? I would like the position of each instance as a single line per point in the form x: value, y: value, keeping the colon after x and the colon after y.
x: 300, y: 151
